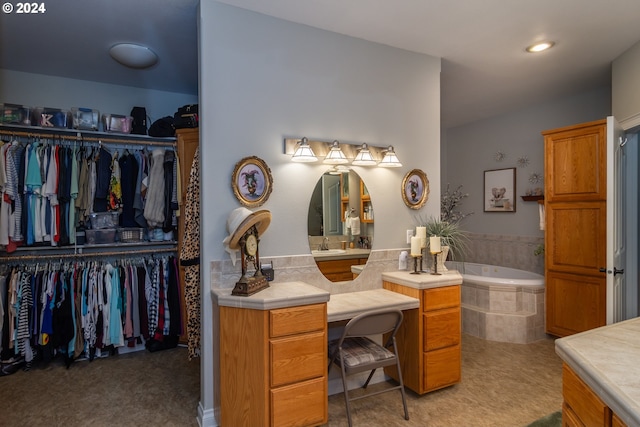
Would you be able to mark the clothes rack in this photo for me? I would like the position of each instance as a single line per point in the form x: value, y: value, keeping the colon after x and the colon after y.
x: 86, y: 137
x: 86, y: 255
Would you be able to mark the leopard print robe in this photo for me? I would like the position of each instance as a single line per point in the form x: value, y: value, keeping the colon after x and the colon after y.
x: 190, y: 257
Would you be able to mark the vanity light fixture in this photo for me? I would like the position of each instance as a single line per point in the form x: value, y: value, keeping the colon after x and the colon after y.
x: 539, y: 47
x: 304, y: 153
x: 390, y: 160
x: 364, y: 157
x: 335, y: 155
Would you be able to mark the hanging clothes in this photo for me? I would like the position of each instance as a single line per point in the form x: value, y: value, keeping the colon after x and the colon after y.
x: 190, y: 257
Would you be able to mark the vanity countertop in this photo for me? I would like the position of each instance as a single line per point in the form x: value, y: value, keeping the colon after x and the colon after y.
x: 423, y: 280
x: 606, y: 359
x: 347, y: 254
x: 277, y: 295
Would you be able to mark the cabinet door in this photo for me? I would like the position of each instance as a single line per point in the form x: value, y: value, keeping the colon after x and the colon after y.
x: 586, y: 405
x: 442, y: 368
x: 576, y: 221
x: 569, y: 418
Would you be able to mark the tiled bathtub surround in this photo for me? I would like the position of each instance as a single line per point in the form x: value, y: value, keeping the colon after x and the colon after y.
x: 503, y: 313
x: 506, y: 251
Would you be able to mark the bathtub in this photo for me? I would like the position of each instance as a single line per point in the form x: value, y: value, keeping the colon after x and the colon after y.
x: 496, y: 275
x: 500, y: 303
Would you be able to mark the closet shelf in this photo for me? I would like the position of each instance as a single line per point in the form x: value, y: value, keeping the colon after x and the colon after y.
x: 85, y: 135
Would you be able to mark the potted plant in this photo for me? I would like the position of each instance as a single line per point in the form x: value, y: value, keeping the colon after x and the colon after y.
x: 453, y: 240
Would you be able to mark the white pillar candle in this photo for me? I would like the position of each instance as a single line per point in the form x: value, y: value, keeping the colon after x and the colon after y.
x: 415, y: 246
x: 421, y: 232
x: 434, y: 244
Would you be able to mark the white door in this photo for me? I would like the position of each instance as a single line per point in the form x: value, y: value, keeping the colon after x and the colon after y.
x: 616, y: 239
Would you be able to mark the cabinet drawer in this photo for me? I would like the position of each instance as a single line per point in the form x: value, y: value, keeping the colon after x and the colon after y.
x: 296, y: 320
x: 441, y: 368
x: 441, y: 328
x: 445, y: 297
x: 302, y: 404
x: 298, y: 358
x: 582, y: 400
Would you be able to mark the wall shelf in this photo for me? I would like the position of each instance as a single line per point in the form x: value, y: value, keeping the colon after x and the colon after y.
x: 539, y: 199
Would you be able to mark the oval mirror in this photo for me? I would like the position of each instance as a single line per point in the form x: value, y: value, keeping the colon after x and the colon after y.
x: 340, y: 224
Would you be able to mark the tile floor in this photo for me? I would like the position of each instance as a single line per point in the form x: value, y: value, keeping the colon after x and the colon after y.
x: 503, y: 385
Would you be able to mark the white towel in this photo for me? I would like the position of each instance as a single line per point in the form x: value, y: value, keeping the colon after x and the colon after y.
x: 355, y: 226
x: 347, y: 225
x: 541, y: 212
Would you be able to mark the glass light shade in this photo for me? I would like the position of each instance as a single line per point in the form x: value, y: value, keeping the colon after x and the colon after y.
x: 364, y: 157
x: 335, y: 155
x: 304, y: 153
x: 390, y: 160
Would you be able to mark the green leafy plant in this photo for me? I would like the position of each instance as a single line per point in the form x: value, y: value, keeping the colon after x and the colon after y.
x: 539, y: 250
x: 450, y: 235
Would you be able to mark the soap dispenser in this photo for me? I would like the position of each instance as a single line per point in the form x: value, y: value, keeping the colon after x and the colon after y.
x: 402, y: 260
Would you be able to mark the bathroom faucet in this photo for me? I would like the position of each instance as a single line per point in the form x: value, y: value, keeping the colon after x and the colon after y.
x: 325, y: 244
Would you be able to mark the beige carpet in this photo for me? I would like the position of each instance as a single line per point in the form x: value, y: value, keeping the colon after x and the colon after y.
x: 503, y: 385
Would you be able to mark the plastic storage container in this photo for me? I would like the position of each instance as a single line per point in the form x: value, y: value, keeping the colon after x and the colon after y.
x: 85, y: 118
x: 15, y: 114
x: 104, y: 219
x: 102, y: 236
x: 50, y: 118
x: 116, y: 123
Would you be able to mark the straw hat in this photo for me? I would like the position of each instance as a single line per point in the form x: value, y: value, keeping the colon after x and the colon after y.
x: 240, y: 220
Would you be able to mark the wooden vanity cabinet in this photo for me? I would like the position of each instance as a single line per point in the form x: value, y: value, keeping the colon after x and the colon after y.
x: 273, y: 366
x: 583, y: 407
x: 429, y: 339
x: 338, y: 270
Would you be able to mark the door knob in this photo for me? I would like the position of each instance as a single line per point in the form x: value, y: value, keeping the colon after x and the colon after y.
x: 616, y: 271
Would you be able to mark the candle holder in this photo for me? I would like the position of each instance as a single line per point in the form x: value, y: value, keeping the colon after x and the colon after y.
x: 415, y: 264
x: 435, y: 263
x: 422, y: 270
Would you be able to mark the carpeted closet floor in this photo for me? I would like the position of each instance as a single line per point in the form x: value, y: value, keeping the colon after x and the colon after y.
x: 503, y: 385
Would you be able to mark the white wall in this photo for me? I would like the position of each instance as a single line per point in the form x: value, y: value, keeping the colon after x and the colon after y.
x: 470, y: 151
x: 38, y: 90
x: 625, y: 75
x: 264, y: 79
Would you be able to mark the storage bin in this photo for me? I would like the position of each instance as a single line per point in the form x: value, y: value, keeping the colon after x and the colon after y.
x: 15, y: 114
x: 116, y: 123
x: 85, y: 118
x: 130, y: 235
x: 102, y: 236
x: 50, y: 118
x: 104, y: 219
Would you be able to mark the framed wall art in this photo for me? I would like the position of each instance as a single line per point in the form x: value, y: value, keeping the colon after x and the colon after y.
x: 415, y: 189
x: 499, y: 190
x: 251, y: 181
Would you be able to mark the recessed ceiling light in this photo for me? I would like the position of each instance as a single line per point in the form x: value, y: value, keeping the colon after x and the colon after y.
x: 133, y: 55
x: 539, y: 47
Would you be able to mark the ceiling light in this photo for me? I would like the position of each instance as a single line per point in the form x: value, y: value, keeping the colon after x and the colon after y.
x: 304, y: 153
x: 133, y: 55
x: 539, y: 47
x: 364, y: 157
x: 390, y: 160
x: 335, y: 155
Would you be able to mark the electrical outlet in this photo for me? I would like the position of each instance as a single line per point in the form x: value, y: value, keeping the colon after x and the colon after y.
x: 409, y: 236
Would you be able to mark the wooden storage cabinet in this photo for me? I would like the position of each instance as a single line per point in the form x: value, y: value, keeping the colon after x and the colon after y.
x: 575, y: 231
x: 429, y: 340
x: 581, y: 406
x: 273, y: 366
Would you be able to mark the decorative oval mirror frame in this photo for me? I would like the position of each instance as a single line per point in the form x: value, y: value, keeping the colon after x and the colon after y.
x: 415, y: 189
x: 337, y: 195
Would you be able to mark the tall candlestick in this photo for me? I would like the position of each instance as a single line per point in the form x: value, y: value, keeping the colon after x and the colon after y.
x: 421, y: 232
x: 434, y: 244
x: 415, y: 246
